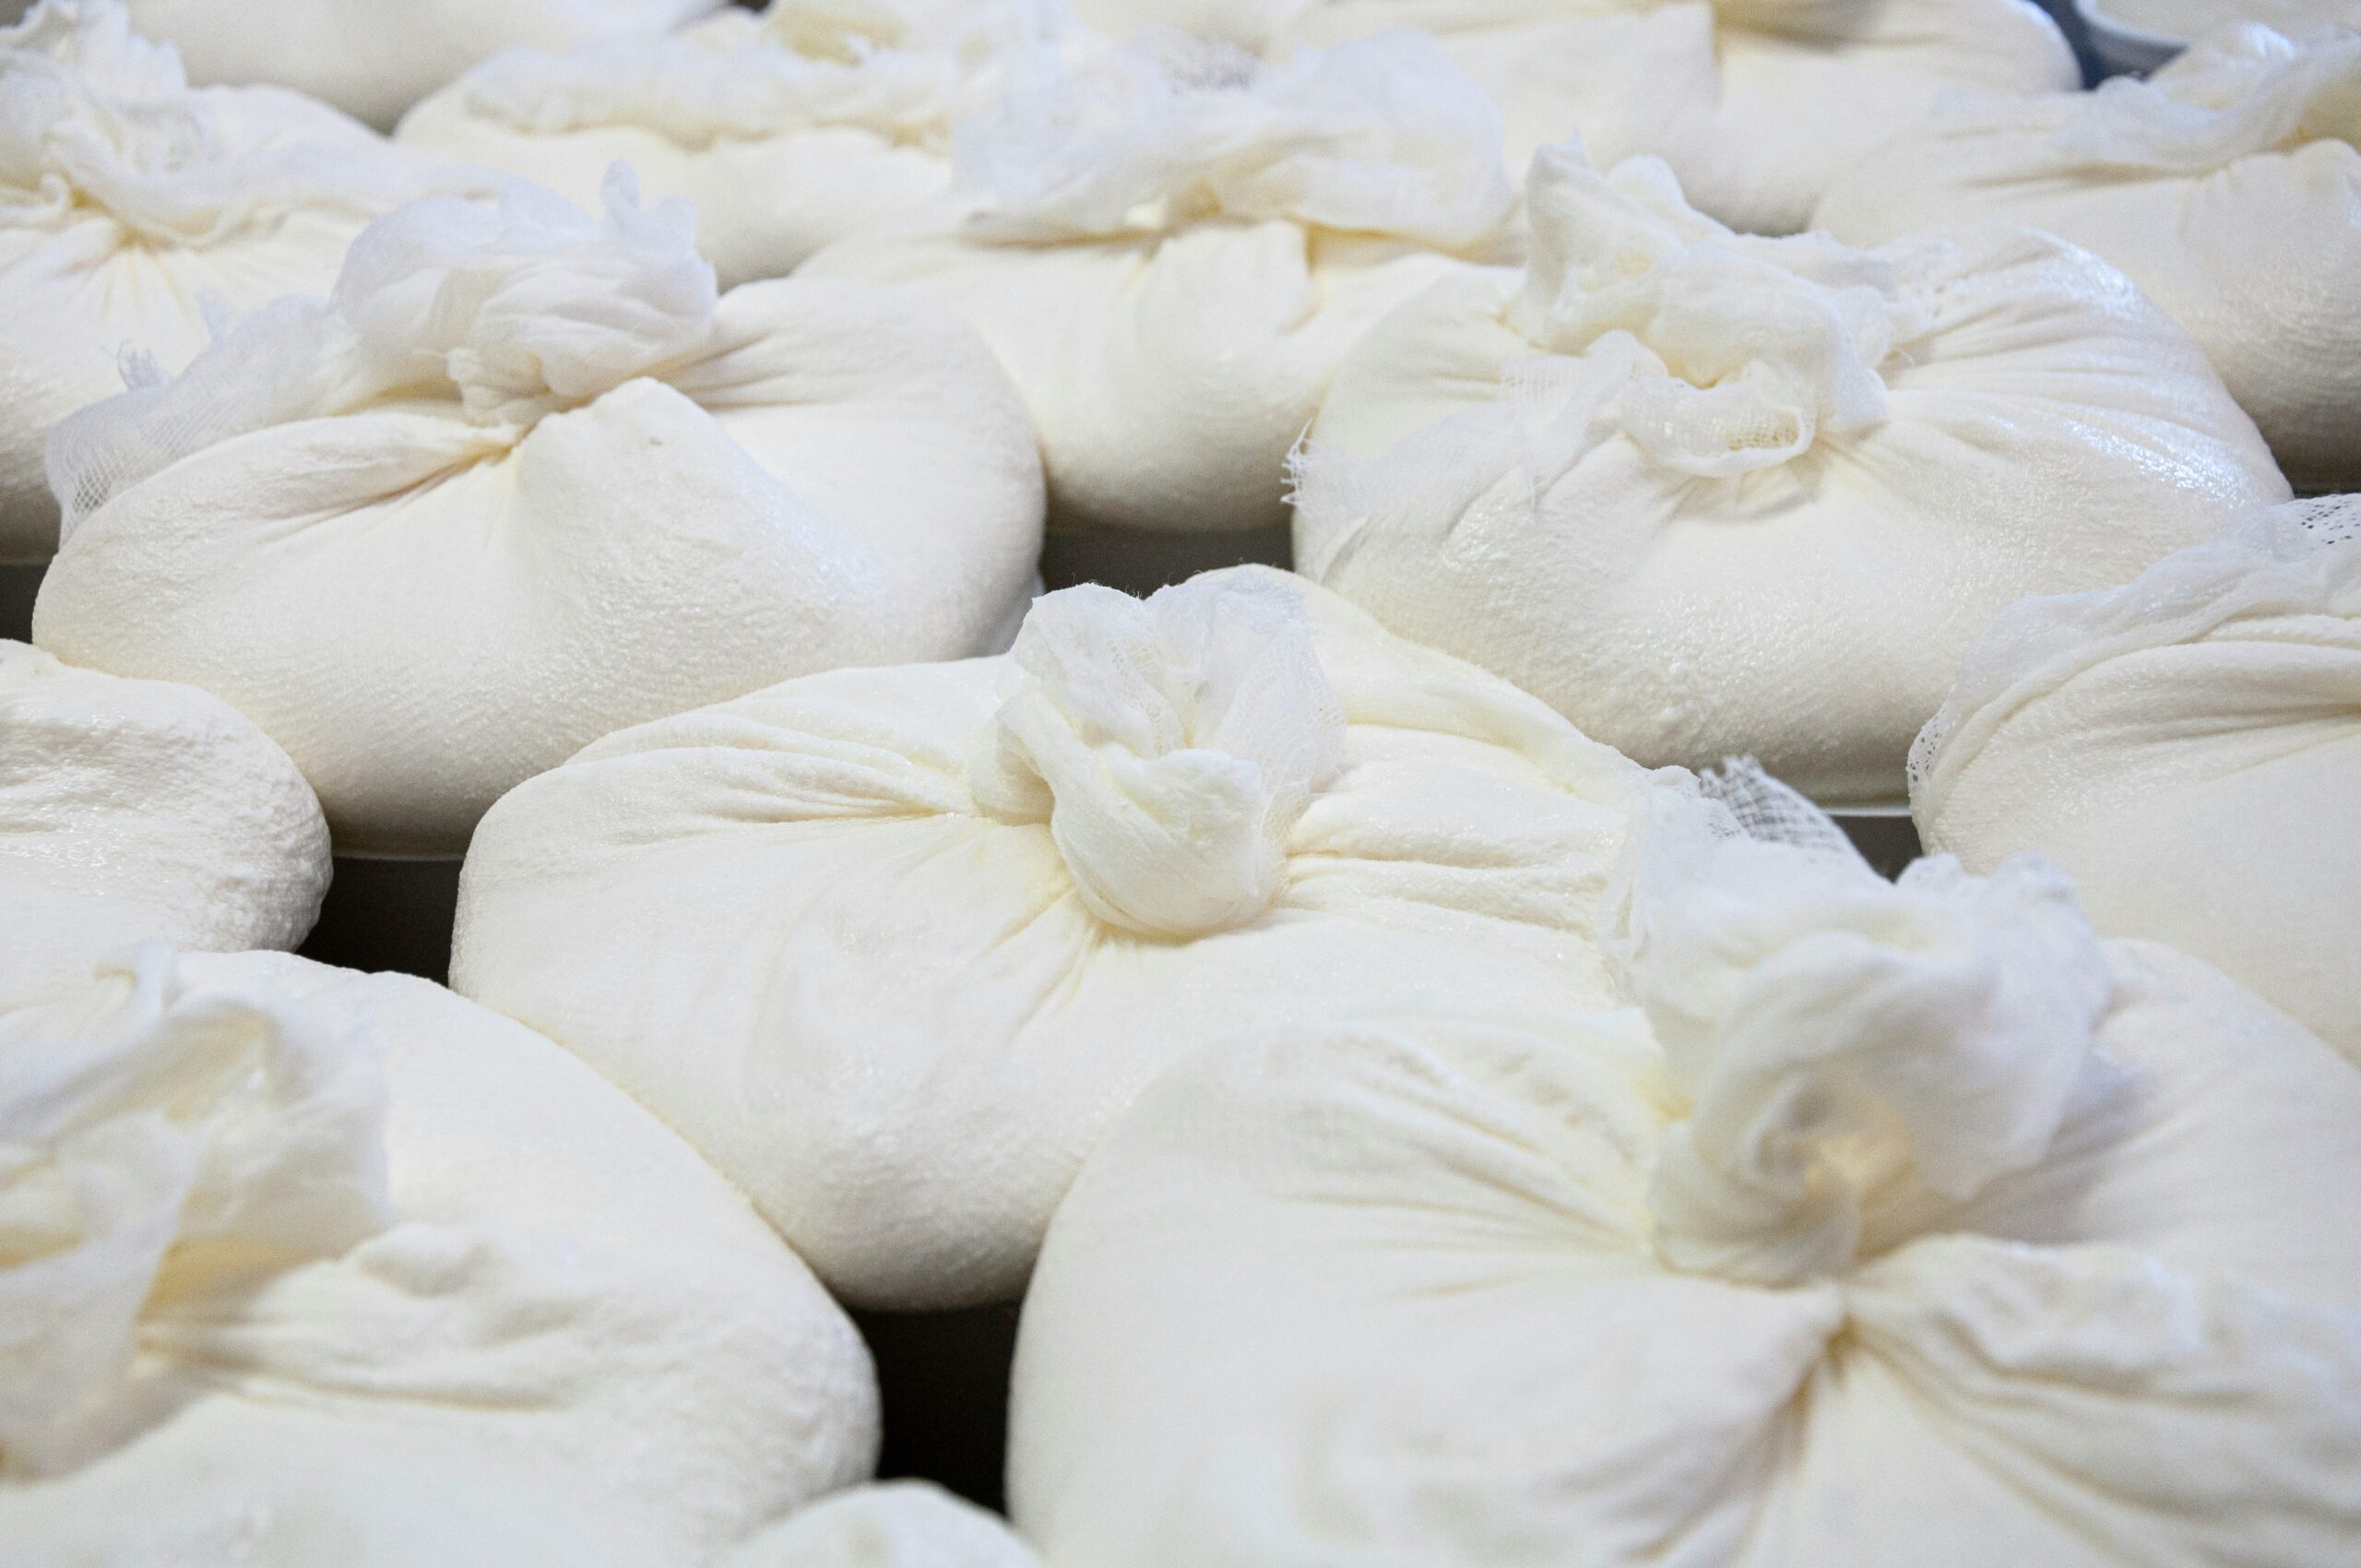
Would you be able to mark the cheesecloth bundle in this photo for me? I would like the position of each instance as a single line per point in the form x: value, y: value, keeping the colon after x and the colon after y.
x: 812, y: 121
x: 897, y: 1525
x: 523, y: 479
x: 132, y: 810
x: 134, y: 212
x: 892, y: 945
x: 1894, y: 1224
x: 1170, y: 248
x: 1758, y: 105
x: 1712, y: 495
x: 303, y: 1267
x: 375, y: 59
x: 2188, y: 748
x: 2227, y: 186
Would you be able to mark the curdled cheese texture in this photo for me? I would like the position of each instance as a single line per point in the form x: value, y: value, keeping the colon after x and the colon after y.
x: 814, y: 120
x: 2227, y: 186
x: 893, y: 946
x: 897, y: 1524
x: 138, y: 809
x: 1757, y: 104
x: 2188, y: 747
x: 135, y: 212
x: 375, y: 60
x: 1893, y: 1223
x: 1712, y: 494
x: 525, y: 478
x: 1170, y: 247
x: 303, y: 1267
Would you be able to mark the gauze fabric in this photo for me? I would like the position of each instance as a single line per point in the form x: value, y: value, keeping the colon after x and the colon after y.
x: 2227, y: 186
x: 375, y: 60
x: 524, y: 479
x: 133, y: 212
x: 814, y: 120
x: 1895, y: 1224
x: 1758, y: 104
x: 303, y: 1267
x: 1712, y: 494
x: 892, y: 945
x: 139, y: 810
x: 2188, y: 748
x: 1170, y: 248
x: 897, y: 1525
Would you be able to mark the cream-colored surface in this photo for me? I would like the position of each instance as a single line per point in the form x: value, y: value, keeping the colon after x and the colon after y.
x: 302, y: 1266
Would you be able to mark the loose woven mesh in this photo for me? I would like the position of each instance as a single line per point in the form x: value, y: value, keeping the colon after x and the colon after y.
x: 1383, y: 135
x: 2239, y: 91
x: 512, y: 311
x: 2302, y: 557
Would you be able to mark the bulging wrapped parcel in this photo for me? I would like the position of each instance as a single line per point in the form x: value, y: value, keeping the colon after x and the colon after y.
x: 814, y: 120
x: 1714, y: 494
x: 525, y: 478
x: 2188, y: 747
x: 1895, y: 1224
x: 328, y: 1270
x: 891, y: 947
x: 2227, y: 186
x: 135, y: 213
x: 139, y: 810
x: 1758, y: 105
x: 1170, y: 247
x: 376, y: 58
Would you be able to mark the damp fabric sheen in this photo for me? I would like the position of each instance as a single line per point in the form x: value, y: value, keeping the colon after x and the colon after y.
x: 1712, y: 494
x: 524, y: 479
x: 135, y: 212
x: 892, y: 945
x: 1895, y: 1224
x: 2227, y: 185
x: 138, y: 809
x: 307, y: 1267
x: 1758, y: 105
x: 375, y: 60
x: 1170, y: 247
x: 814, y: 120
x: 2188, y: 748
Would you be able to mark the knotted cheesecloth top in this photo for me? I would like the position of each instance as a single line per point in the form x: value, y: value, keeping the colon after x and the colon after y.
x: 1892, y: 1214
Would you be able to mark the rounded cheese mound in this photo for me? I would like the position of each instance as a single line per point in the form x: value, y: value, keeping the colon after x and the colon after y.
x: 1171, y: 248
x: 1758, y: 104
x: 1899, y: 1225
x: 302, y: 1266
x: 377, y: 58
x: 815, y: 120
x: 898, y: 1524
x: 2188, y: 748
x: 132, y: 810
x: 892, y: 945
x: 133, y: 212
x: 2227, y: 186
x: 523, y: 479
x: 1717, y: 495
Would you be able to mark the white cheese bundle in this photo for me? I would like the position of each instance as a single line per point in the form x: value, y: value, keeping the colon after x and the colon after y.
x: 897, y: 1524
x: 524, y: 479
x: 375, y: 58
x: 132, y: 810
x: 1757, y: 104
x: 1927, y: 1228
x: 815, y: 120
x: 302, y: 1266
x: 133, y: 212
x: 2227, y: 186
x: 1713, y: 495
x: 892, y: 945
x: 1170, y: 248
x: 2188, y: 748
